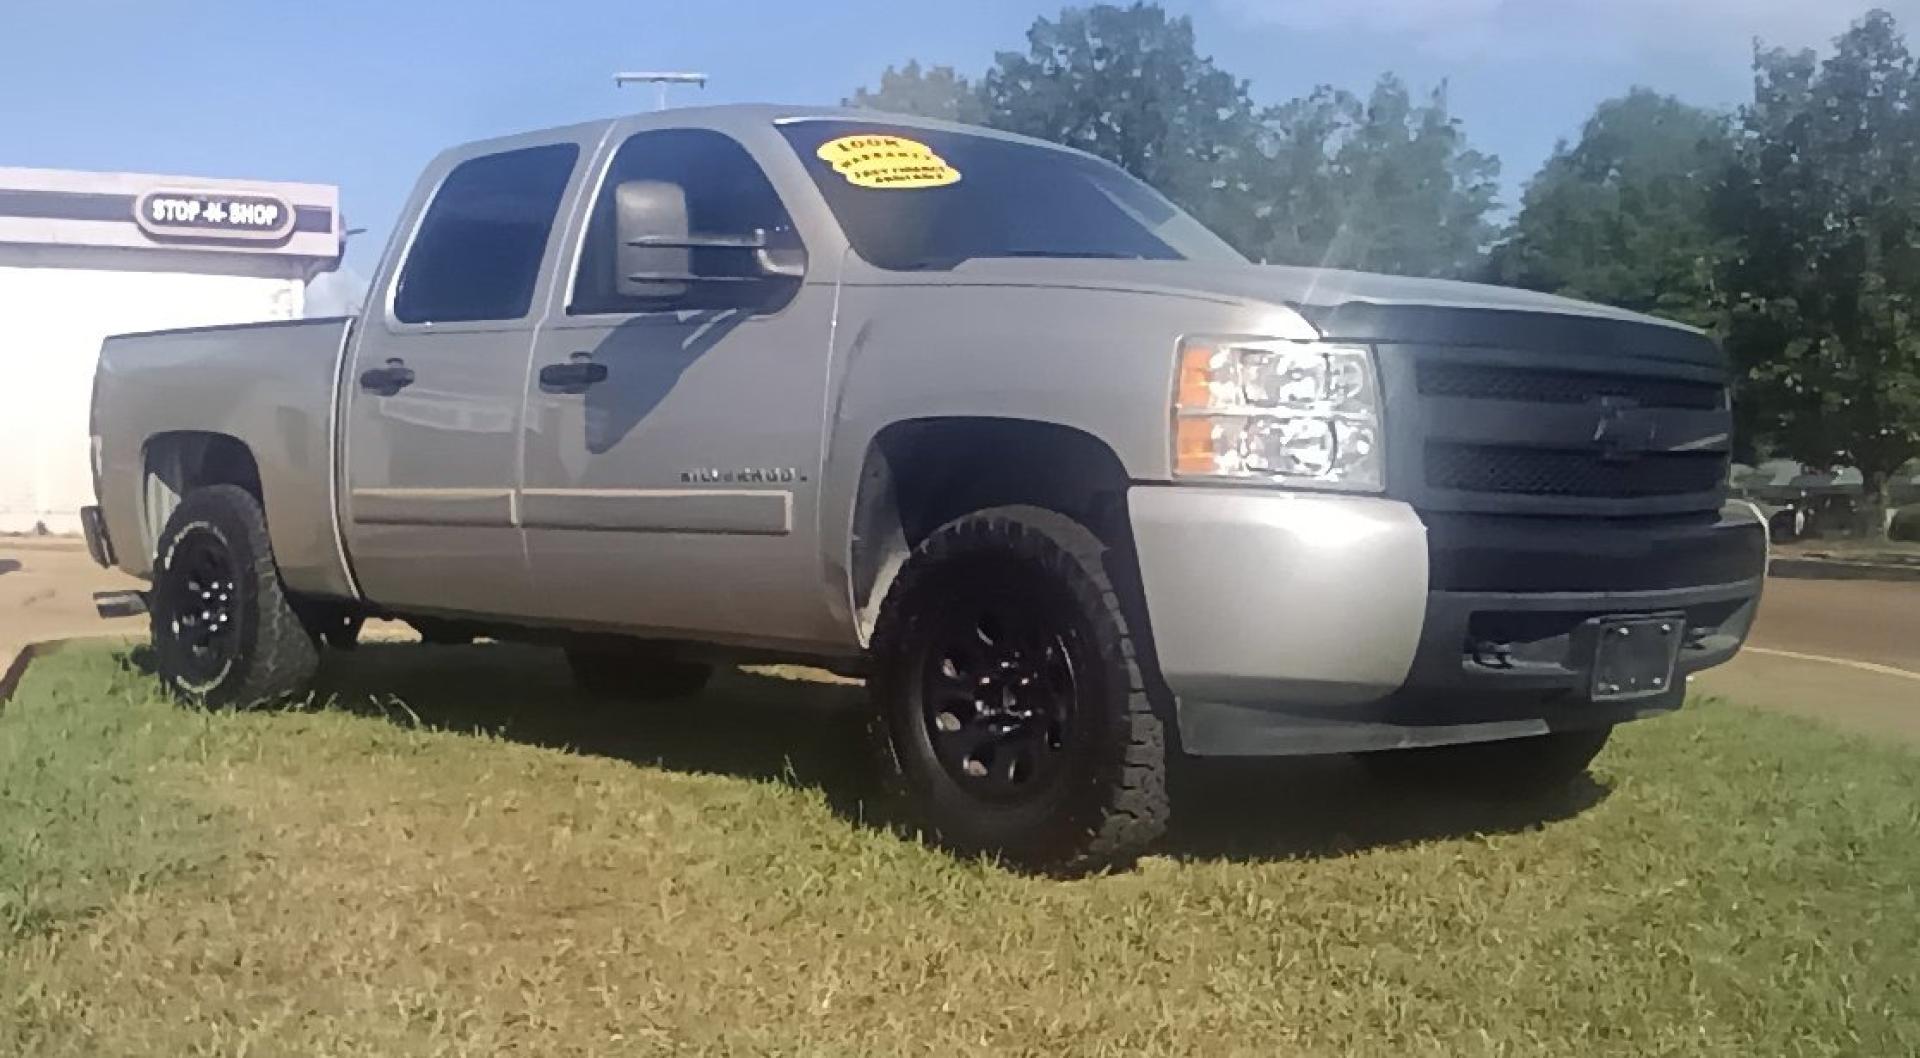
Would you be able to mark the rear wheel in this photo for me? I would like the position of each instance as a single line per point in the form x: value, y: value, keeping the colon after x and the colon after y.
x: 1515, y: 767
x: 635, y: 672
x: 1009, y: 710
x: 224, y: 632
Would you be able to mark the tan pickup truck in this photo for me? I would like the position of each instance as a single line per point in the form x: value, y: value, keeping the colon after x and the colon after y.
x: 1075, y: 485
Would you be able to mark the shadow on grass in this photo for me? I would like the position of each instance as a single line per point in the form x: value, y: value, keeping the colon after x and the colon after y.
x: 809, y: 734
x: 1289, y: 807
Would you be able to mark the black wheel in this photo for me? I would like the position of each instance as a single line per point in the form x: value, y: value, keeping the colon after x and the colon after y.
x: 1009, y: 710
x: 1788, y: 524
x: 1516, y: 767
x: 224, y: 633
x: 635, y: 672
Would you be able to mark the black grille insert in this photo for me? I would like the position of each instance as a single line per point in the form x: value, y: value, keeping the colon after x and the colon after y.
x: 1438, y: 378
x: 1562, y: 472
x: 1529, y: 553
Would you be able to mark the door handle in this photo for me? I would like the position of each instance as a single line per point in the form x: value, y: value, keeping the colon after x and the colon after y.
x: 574, y: 375
x: 388, y: 380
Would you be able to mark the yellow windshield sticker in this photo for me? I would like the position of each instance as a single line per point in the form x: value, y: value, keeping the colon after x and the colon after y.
x: 889, y: 162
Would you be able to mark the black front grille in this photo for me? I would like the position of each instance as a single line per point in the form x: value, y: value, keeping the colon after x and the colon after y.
x: 1439, y: 378
x: 1562, y: 472
x: 1587, y: 431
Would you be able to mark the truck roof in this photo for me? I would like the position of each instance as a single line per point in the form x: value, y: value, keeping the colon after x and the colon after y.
x: 739, y: 115
x: 1317, y: 287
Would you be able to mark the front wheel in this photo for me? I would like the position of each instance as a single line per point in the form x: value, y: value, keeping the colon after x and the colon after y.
x: 224, y: 632
x: 1009, y: 710
x: 1515, y: 767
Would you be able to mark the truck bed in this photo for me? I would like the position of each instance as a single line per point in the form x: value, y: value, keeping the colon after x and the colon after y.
x: 271, y: 386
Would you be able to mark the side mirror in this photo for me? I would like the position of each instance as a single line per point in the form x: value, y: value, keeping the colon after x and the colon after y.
x: 653, y: 257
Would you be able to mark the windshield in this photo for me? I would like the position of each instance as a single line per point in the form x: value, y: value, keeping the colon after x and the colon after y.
x: 917, y: 198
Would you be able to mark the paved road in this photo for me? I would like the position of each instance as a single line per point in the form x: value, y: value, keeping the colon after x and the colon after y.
x: 1845, y: 651
x: 46, y: 592
x: 1867, y: 620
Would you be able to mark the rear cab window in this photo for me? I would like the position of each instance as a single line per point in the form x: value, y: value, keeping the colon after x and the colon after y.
x: 478, y: 250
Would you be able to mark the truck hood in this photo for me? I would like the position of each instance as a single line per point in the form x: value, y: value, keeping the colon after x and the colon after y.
x: 1340, y: 303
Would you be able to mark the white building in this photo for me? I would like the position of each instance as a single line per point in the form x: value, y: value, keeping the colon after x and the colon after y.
x: 86, y: 255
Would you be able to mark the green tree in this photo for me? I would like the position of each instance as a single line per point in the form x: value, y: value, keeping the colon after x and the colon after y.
x: 1128, y: 85
x: 1825, y: 274
x: 931, y: 92
x: 1385, y: 185
x: 1623, y: 215
x: 1303, y: 200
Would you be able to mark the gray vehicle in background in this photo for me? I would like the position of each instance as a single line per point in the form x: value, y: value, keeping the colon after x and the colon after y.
x: 1074, y: 485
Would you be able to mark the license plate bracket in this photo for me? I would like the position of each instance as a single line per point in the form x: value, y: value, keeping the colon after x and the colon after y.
x: 1634, y: 657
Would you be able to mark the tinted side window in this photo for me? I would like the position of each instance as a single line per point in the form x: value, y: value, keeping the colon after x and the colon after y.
x: 477, y: 255
x: 727, y: 194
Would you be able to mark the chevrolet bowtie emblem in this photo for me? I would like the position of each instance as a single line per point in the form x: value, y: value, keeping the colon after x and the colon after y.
x: 1624, y: 430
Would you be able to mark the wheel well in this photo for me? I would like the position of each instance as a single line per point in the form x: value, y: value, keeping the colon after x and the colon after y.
x: 923, y: 473
x: 177, y: 463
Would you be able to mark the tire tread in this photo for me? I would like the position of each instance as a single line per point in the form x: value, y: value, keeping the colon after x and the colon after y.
x: 283, y: 656
x: 1134, y: 807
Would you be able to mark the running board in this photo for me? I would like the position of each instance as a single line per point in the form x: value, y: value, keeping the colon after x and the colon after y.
x: 120, y: 603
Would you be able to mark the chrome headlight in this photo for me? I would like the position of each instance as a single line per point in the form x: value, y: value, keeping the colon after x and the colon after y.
x: 1290, y: 413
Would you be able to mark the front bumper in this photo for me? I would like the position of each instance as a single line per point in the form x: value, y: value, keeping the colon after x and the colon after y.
x: 1291, y: 623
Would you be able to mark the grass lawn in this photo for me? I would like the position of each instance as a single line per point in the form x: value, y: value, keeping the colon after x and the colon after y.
x: 485, y: 864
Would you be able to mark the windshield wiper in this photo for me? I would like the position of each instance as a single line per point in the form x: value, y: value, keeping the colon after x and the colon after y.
x: 923, y: 264
x: 1094, y: 255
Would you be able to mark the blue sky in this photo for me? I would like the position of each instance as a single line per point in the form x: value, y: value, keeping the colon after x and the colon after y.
x: 360, y: 93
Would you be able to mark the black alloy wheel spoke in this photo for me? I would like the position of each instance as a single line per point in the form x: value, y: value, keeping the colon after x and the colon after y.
x: 202, y: 599
x: 1019, y: 755
x: 957, y: 668
x: 999, y: 693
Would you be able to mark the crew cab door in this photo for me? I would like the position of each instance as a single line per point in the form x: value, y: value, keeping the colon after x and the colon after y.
x: 433, y: 400
x: 673, y: 441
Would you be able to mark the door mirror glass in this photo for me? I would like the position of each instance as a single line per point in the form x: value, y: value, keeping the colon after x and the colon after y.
x: 652, y: 259
x: 657, y: 256
x: 686, y: 221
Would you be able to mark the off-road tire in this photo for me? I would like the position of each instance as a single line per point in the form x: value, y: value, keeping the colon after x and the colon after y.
x: 1515, y: 767
x: 268, y: 654
x: 635, y: 673
x: 1106, y: 799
